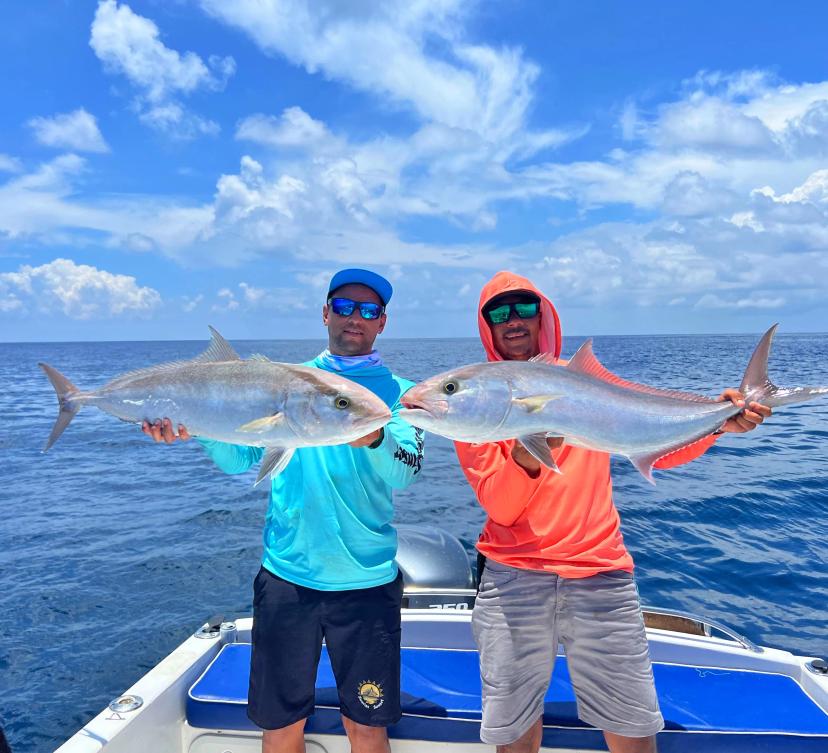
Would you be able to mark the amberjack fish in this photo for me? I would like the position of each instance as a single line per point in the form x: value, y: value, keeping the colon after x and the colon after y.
x: 217, y: 395
x: 584, y: 403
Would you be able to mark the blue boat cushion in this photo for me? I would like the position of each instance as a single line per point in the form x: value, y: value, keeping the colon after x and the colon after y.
x: 445, y: 684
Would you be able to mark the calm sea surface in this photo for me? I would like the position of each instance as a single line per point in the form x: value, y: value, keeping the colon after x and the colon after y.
x: 113, y: 550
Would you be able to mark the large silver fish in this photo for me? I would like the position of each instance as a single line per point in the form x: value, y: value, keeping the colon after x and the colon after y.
x: 584, y: 403
x: 217, y: 395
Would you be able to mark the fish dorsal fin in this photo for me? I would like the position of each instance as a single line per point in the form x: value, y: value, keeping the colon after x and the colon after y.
x: 585, y: 362
x: 218, y: 350
x: 544, y: 358
x: 260, y: 357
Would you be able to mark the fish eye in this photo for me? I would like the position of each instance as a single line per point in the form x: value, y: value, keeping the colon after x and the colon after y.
x: 341, y: 402
x: 450, y: 387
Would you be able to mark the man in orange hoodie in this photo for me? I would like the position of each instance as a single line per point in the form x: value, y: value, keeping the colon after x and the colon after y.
x: 556, y: 566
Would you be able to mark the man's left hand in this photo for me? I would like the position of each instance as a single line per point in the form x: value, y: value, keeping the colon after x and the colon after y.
x: 367, y: 439
x: 752, y: 415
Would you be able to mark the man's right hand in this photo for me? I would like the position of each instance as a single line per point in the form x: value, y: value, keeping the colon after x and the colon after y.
x: 527, y: 460
x: 162, y: 431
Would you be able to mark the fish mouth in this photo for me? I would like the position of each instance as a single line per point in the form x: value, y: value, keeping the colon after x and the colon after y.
x: 377, y: 418
x: 414, y: 407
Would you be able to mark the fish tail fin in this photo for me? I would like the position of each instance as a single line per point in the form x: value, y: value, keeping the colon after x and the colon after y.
x: 69, y: 405
x: 756, y: 385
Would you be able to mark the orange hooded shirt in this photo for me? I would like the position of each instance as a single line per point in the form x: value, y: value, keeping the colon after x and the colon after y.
x: 563, y: 523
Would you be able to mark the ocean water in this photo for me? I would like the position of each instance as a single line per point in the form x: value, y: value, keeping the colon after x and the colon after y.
x: 114, y: 549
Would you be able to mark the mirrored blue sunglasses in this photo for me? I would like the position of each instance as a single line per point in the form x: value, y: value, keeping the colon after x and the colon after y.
x: 346, y: 306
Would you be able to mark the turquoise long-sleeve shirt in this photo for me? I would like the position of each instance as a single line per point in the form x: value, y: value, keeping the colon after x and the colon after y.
x: 328, y: 525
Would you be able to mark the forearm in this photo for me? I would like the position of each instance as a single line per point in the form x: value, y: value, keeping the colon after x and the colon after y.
x: 399, y: 456
x: 231, y: 458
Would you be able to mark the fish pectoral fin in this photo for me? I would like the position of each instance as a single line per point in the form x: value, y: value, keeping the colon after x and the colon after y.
x: 534, y: 403
x: 644, y: 464
x: 274, y: 462
x: 261, y: 425
x: 536, y: 445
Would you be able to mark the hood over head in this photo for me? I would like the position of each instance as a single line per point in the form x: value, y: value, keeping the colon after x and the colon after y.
x: 508, y: 282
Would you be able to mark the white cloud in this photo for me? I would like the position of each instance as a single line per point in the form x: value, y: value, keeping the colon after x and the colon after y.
x: 246, y: 298
x: 322, y: 210
x: 9, y: 164
x: 190, y: 304
x: 226, y: 302
x: 742, y: 85
x: 771, y: 253
x: 778, y: 106
x: 317, y: 281
x: 712, y: 301
x: 78, y: 291
x: 731, y: 132
x: 691, y: 195
x: 252, y: 294
x: 77, y: 131
x: 814, y: 190
x: 473, y: 102
x: 709, y: 123
x: 628, y: 122
x: 389, y: 49
x: 43, y: 205
x: 437, y: 171
x: 171, y: 118
x: 730, y: 200
x: 130, y: 45
x: 294, y: 128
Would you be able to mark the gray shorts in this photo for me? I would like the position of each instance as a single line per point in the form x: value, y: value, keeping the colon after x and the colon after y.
x: 519, y: 618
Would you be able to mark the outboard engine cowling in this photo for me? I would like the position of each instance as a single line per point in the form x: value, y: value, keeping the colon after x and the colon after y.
x: 437, y: 572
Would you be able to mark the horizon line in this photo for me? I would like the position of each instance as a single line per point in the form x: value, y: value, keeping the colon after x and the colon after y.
x: 466, y: 337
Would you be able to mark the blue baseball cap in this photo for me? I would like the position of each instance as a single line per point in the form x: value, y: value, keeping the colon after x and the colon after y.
x: 372, y: 280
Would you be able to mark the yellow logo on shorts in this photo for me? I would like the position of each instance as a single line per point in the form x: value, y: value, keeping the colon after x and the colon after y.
x: 370, y: 694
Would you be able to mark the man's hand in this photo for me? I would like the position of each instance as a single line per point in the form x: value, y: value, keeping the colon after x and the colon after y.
x: 367, y: 439
x: 753, y: 415
x: 527, y: 460
x: 161, y: 431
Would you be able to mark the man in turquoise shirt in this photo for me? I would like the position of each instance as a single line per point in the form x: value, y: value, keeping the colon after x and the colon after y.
x: 328, y: 566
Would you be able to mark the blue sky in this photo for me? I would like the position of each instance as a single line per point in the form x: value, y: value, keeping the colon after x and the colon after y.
x: 654, y: 167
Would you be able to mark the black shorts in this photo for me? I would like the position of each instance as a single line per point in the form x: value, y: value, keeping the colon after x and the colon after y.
x: 361, y: 628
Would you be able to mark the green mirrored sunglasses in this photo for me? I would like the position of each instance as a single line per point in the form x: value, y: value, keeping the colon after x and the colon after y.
x: 501, y: 314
